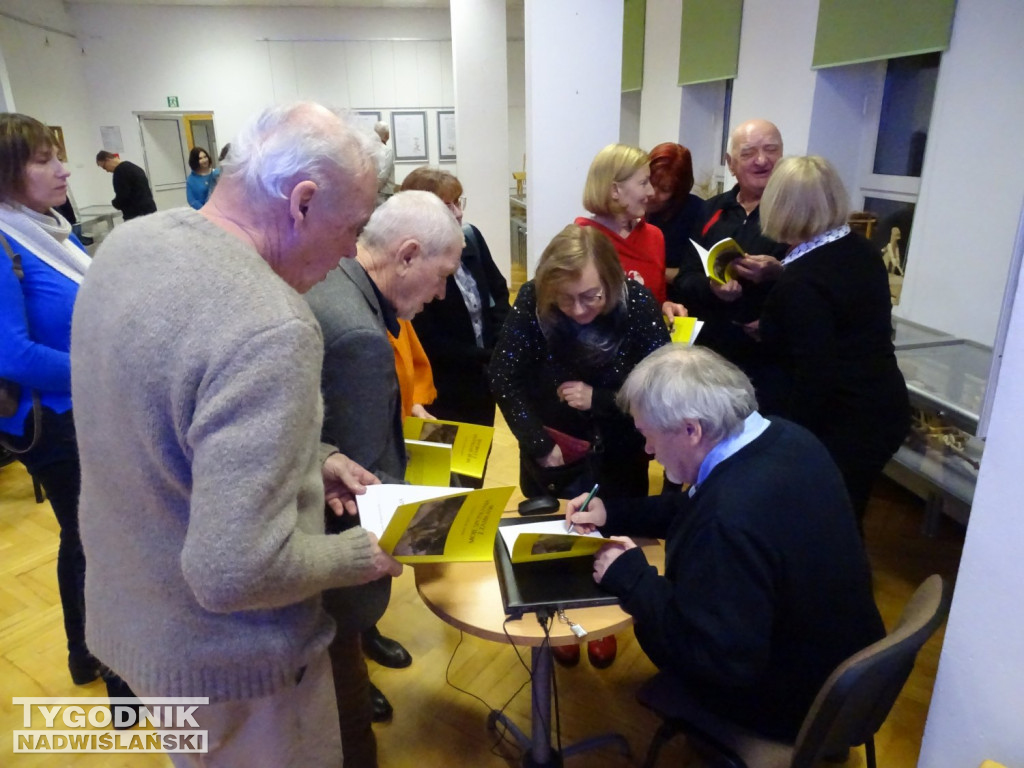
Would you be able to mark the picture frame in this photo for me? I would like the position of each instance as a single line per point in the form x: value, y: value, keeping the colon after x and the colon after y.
x: 446, y: 137
x: 409, y: 134
x: 366, y: 119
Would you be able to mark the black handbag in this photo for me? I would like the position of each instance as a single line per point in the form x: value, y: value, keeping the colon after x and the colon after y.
x: 10, y: 391
x: 568, y: 480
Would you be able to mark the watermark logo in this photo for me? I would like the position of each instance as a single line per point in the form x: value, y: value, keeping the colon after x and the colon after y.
x: 86, y: 725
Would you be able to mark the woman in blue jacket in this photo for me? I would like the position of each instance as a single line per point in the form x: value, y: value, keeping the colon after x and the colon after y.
x: 202, y: 180
x: 35, y: 329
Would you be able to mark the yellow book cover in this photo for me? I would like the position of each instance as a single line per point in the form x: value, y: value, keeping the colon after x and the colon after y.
x: 547, y: 540
x: 428, y: 463
x: 718, y: 260
x: 422, y: 524
x: 471, y: 443
x: 685, y: 329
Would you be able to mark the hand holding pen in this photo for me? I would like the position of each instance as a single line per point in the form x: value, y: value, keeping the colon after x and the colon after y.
x: 585, y: 513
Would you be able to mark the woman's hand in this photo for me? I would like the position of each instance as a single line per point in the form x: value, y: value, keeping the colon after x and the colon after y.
x: 609, y: 553
x: 421, y: 413
x: 576, y: 394
x: 670, y: 310
x: 553, y: 459
x: 758, y: 269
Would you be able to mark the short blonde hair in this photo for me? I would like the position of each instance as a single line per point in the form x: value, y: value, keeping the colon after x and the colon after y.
x: 564, y: 260
x: 804, y: 198
x: 616, y: 162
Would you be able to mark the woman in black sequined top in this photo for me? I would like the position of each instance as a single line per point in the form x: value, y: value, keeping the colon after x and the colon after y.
x: 576, y: 331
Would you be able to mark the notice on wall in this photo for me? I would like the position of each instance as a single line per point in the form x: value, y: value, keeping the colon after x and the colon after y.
x: 110, y: 138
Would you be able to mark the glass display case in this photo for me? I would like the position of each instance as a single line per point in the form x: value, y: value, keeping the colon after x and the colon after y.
x: 946, y: 379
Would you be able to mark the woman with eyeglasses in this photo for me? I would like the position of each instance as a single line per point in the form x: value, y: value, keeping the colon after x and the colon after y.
x: 458, y: 332
x: 575, y: 333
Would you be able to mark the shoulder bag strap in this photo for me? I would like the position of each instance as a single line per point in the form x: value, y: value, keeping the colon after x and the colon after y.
x: 37, y: 410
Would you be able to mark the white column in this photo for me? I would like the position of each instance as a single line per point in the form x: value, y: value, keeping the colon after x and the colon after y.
x: 481, y: 119
x: 661, y: 96
x: 573, y: 97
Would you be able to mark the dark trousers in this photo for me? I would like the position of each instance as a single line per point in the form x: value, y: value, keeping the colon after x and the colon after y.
x: 53, y: 462
x: 352, y: 692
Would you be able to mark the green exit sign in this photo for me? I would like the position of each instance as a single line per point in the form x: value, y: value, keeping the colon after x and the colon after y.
x: 172, y: 101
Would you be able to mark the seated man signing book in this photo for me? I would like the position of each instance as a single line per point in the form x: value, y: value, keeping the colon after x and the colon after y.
x: 404, y: 256
x: 766, y: 587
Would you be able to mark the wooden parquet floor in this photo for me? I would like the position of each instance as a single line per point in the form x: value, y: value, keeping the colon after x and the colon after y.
x: 435, y: 724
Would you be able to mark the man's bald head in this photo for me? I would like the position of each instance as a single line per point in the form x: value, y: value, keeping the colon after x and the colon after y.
x: 754, y: 148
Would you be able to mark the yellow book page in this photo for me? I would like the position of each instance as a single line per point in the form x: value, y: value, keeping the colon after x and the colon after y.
x: 685, y: 330
x: 471, y: 443
x: 530, y: 547
x: 718, y: 260
x: 428, y: 463
x: 456, y: 528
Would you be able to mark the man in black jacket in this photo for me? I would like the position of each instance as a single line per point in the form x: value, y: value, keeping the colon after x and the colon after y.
x: 132, y: 195
x: 767, y: 587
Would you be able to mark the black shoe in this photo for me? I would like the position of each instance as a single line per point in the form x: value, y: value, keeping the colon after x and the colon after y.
x: 384, y: 650
x: 84, y: 667
x: 382, y: 709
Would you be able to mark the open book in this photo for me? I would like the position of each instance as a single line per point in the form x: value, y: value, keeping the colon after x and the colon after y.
x: 471, y: 443
x: 547, y: 540
x: 428, y: 524
x: 718, y: 260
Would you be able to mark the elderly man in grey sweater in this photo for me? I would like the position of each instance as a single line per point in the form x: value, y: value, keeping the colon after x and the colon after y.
x: 196, y: 364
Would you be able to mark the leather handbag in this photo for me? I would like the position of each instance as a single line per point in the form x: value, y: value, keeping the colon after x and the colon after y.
x: 576, y: 476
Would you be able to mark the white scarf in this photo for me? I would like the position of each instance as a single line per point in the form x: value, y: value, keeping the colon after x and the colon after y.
x: 47, y: 237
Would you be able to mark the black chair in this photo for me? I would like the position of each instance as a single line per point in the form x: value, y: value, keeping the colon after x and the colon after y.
x: 847, y: 712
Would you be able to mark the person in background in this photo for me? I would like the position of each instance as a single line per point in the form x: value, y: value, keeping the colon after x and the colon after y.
x: 617, y: 191
x: 35, y: 325
x: 828, y: 322
x: 766, y: 587
x: 132, y: 195
x: 459, y: 331
x: 575, y: 332
x: 385, y: 163
x: 406, y: 252
x: 754, y: 148
x: 202, y: 178
x: 672, y: 207
x: 203, y: 475
x: 224, y: 152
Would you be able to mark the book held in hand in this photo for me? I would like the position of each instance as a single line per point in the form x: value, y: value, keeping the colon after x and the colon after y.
x: 430, y: 524
x: 428, y: 463
x: 471, y: 443
x: 684, y: 330
x: 547, y: 540
x: 718, y: 259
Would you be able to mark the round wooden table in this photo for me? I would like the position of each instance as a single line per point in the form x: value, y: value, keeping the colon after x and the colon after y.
x: 467, y: 596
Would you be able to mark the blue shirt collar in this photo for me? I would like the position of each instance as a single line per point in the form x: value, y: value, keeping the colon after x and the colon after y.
x: 753, y: 426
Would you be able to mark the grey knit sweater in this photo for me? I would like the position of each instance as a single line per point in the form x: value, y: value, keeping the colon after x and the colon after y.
x: 196, y: 383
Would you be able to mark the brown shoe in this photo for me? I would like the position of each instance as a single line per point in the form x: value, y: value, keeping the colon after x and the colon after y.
x: 602, y: 652
x: 566, y: 655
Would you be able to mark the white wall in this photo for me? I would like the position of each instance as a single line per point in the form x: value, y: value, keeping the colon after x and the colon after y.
x: 45, y: 72
x: 659, y: 108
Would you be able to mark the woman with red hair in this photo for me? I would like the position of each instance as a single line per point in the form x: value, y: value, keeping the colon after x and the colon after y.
x: 672, y: 207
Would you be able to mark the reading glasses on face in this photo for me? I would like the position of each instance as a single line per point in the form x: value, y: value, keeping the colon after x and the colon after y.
x: 587, y: 300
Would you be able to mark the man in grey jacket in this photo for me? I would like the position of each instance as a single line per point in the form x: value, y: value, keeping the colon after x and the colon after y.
x: 196, y: 363
x: 408, y: 249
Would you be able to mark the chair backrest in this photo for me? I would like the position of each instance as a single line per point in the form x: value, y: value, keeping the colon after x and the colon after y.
x: 855, y: 700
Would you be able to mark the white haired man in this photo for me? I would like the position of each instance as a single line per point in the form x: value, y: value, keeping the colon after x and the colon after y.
x: 197, y: 362
x: 767, y: 587
x: 410, y: 246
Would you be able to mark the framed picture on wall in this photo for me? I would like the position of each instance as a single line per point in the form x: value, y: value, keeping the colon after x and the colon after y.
x: 409, y: 133
x: 366, y: 119
x: 446, y: 134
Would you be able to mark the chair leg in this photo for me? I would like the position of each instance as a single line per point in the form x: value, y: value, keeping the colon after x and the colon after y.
x: 869, y: 752
x: 665, y: 732
x: 40, y: 496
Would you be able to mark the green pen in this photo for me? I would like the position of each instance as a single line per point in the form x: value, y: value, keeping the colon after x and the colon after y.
x: 586, y: 501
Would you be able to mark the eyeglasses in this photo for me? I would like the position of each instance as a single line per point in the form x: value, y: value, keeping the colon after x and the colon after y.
x: 587, y: 300
x: 460, y: 203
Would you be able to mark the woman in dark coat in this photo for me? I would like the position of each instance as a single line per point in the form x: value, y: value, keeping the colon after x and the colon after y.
x: 828, y: 322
